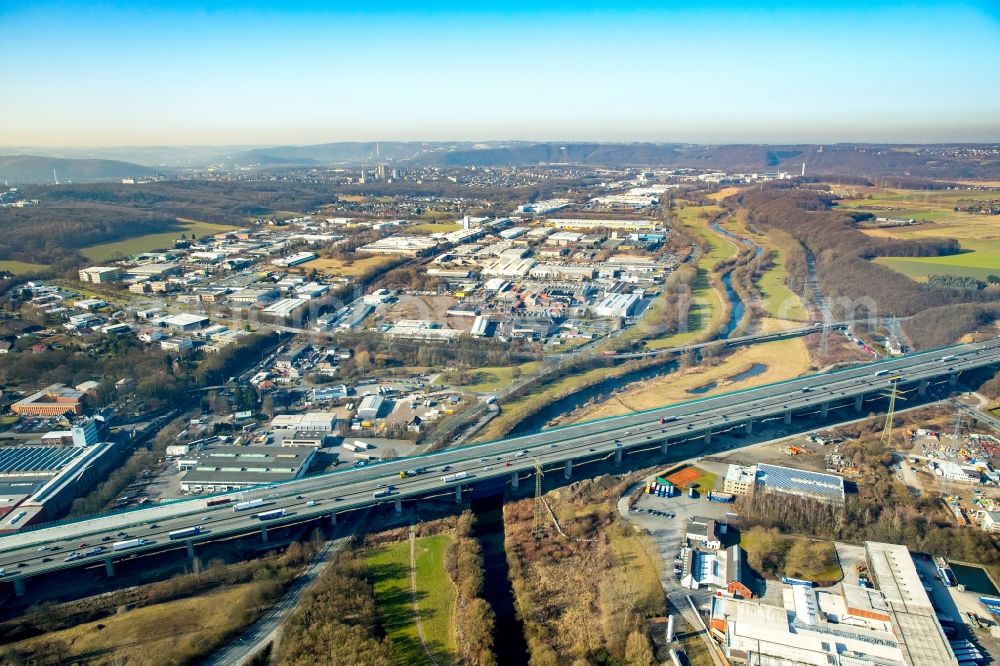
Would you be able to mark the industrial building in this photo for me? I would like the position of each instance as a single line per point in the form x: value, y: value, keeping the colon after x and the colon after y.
x: 254, y: 295
x: 617, y: 305
x: 894, y: 625
x: 801, y: 483
x: 37, y: 483
x: 286, y: 307
x: 481, y: 327
x: 184, y: 321
x: 422, y: 329
x: 370, y: 407
x: 100, y: 274
x: 294, y: 259
x: 234, y: 467
x: 54, y: 400
x: 405, y: 245
x: 913, y: 617
x: 308, y: 422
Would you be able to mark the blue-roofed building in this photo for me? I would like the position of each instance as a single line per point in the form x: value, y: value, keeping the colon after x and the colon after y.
x: 801, y: 483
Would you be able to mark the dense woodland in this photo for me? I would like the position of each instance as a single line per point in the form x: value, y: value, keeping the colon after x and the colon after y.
x: 854, y: 285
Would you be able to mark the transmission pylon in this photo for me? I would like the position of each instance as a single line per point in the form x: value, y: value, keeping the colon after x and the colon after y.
x: 538, y: 529
x: 887, y: 430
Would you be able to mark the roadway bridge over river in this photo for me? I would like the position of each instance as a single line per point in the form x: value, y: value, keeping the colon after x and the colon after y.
x: 44, y: 550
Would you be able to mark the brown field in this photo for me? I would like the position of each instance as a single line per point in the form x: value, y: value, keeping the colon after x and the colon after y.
x: 785, y: 359
x: 348, y: 268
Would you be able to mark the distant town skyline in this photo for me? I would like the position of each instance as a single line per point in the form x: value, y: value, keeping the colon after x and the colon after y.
x: 196, y: 73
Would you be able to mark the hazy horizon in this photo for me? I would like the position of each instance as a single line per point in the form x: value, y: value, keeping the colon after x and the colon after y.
x: 108, y: 75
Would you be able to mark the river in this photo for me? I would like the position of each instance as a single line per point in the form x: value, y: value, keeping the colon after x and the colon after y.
x: 537, y: 421
x: 508, y: 634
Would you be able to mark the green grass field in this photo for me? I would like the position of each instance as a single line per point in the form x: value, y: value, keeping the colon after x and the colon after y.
x: 707, y: 308
x: 432, y: 227
x: 982, y: 260
x: 490, y: 379
x: 149, y: 242
x: 21, y: 267
x: 389, y: 567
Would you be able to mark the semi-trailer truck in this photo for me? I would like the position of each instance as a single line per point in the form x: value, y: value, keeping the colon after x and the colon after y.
x: 128, y: 543
x: 457, y: 476
x: 270, y: 515
x: 185, y: 533
x: 249, y: 504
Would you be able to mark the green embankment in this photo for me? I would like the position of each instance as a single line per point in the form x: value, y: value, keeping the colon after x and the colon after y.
x: 389, y: 567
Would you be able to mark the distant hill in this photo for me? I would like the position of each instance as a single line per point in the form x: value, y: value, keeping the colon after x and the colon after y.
x: 345, y: 152
x: 856, y: 160
x: 21, y: 169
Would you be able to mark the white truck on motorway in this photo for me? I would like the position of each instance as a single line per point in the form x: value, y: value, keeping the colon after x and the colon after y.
x: 457, y: 476
x: 249, y: 504
x: 128, y: 543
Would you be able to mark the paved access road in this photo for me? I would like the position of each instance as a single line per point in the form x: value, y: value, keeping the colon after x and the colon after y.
x: 21, y: 555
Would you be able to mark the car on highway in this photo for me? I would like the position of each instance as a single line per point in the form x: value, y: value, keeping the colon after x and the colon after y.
x: 83, y: 545
x: 488, y: 468
x: 46, y: 559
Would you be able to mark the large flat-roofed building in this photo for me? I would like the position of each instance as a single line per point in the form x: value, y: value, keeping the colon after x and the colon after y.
x: 233, y: 467
x: 100, y: 274
x: 801, y: 483
x: 294, y: 259
x: 185, y: 321
x: 308, y: 422
x: 611, y: 223
x: 155, y: 271
x: 39, y: 482
x: 913, y: 617
x: 406, y: 245
x: 54, y: 400
x: 617, y: 305
x: 810, y: 628
x: 422, y: 329
x: 286, y: 307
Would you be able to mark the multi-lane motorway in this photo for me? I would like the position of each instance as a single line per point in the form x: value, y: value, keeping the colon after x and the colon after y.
x: 34, y: 552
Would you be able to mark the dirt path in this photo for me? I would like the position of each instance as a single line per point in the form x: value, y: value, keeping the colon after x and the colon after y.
x: 413, y: 594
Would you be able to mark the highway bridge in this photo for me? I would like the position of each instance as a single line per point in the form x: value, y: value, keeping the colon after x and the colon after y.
x: 35, y: 552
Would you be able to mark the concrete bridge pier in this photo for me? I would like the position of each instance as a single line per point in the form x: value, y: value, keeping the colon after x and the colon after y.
x: 708, y: 437
x: 824, y: 410
x: 19, y: 587
x: 399, y: 505
x: 953, y: 379
x: 788, y: 416
x: 515, y: 481
x: 190, y: 548
x: 568, y: 470
x: 458, y: 494
x: 749, y: 427
x: 333, y: 518
x: 922, y: 387
x: 263, y: 533
x: 859, y: 401
x: 109, y: 567
x: 665, y: 446
x: 618, y: 456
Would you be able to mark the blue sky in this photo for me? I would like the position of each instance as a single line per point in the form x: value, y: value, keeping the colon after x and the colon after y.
x: 252, y: 72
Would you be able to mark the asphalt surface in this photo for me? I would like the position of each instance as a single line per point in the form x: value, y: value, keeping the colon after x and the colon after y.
x: 355, y: 488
